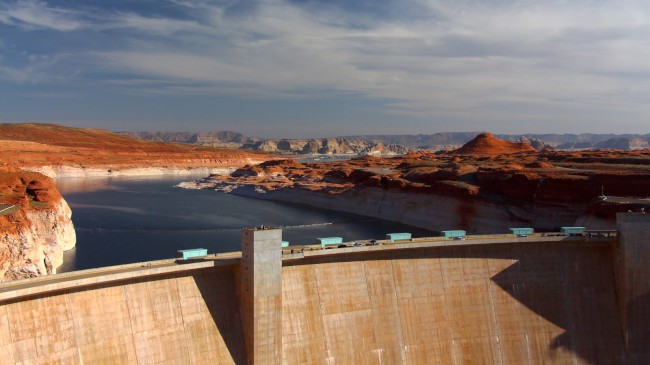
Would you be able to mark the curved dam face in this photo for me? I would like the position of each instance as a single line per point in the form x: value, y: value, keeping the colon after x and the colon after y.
x: 501, y: 303
x: 190, y: 317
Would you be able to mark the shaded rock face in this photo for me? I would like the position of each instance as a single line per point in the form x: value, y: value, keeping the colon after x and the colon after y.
x: 624, y: 144
x: 312, y: 146
x: 36, y: 231
x: 285, y: 145
x: 203, y: 138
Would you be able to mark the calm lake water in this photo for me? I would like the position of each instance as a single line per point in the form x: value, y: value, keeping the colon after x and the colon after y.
x: 126, y: 220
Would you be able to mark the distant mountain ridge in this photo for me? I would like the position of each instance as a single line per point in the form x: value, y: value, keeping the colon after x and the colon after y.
x: 460, y: 138
x: 289, y: 146
x: 202, y: 138
x: 395, y: 144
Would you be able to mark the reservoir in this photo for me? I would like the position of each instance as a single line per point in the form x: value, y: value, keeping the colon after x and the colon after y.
x: 127, y: 219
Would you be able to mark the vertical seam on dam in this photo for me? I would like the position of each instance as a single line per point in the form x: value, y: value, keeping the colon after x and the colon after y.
x: 11, y: 331
x: 132, y: 334
x: 402, y: 347
x: 320, y: 310
x: 68, y: 304
x: 180, y: 309
x: 372, y: 311
x: 493, y: 310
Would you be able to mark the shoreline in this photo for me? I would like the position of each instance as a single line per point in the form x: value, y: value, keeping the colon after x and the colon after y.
x: 59, y: 172
x: 51, y: 232
x: 428, y: 211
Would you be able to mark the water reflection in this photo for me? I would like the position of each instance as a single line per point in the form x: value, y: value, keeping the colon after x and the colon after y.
x: 76, y: 185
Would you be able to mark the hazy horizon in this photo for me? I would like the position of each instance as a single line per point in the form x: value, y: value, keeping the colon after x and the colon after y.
x: 330, y: 135
x: 377, y: 134
x: 311, y: 68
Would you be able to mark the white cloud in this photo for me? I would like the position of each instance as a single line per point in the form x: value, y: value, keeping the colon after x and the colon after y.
x: 160, y: 26
x: 37, y: 68
x: 478, y: 55
x: 32, y: 14
x: 470, y: 59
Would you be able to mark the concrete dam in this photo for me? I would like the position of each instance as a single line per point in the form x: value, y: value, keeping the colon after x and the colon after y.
x: 489, y: 300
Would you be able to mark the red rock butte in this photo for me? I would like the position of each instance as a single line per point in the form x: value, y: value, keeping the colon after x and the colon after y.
x: 487, y: 144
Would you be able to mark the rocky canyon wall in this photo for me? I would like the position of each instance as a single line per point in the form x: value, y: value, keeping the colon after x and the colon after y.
x: 36, y: 227
x: 433, y: 211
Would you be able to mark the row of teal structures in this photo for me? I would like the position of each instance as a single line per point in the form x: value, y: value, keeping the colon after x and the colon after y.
x: 392, y: 237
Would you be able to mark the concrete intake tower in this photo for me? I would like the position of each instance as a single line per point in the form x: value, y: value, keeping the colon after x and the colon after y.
x: 484, y: 300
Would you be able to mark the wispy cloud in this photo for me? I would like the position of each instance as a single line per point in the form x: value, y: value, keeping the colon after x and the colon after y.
x: 471, y: 55
x: 31, y: 14
x: 457, y: 59
x: 159, y: 26
x: 36, y: 69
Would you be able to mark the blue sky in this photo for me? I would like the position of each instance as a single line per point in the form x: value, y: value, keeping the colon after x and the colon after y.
x: 310, y: 68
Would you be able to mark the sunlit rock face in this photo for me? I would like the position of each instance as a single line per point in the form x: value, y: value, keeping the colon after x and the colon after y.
x: 487, y: 185
x: 35, y: 229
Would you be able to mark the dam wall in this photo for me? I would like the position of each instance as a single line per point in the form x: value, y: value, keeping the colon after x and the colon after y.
x: 494, y: 304
x: 187, y: 317
x: 551, y: 300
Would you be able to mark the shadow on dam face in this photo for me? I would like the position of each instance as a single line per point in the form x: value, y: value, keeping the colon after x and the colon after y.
x: 575, y: 293
x: 218, y: 296
x: 569, y: 284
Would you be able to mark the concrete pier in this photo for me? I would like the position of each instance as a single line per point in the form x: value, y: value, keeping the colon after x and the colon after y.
x: 261, y: 295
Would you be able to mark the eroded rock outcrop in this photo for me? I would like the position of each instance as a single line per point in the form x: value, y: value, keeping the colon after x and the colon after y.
x: 486, y: 186
x: 35, y: 228
x: 328, y: 146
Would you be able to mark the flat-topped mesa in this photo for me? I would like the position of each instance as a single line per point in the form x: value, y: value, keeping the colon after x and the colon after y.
x: 488, y: 145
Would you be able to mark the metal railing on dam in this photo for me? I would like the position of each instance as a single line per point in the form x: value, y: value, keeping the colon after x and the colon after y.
x: 497, y: 300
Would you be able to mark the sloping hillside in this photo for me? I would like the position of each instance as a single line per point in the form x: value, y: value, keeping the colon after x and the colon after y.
x: 33, y: 145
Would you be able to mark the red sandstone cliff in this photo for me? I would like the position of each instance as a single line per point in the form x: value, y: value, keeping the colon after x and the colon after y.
x: 35, y: 228
x: 487, y: 185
